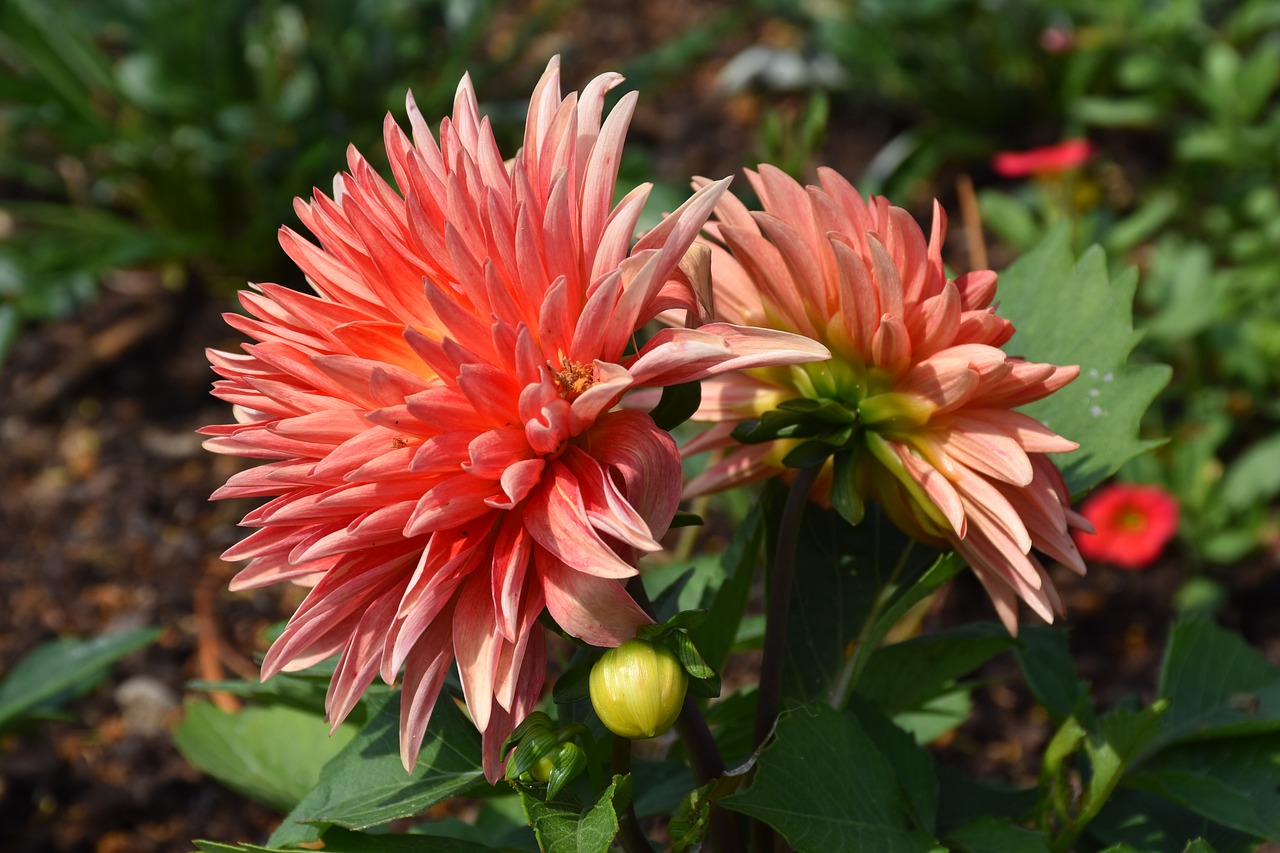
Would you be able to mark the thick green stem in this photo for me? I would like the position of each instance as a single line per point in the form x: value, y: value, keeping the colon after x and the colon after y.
x: 779, y: 604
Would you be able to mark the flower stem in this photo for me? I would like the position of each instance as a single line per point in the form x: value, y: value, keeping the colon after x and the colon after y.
x: 629, y: 834
x: 779, y: 605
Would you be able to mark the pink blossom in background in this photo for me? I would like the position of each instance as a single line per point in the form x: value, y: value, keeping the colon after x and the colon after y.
x: 1132, y: 524
x: 442, y: 453
x: 1047, y: 160
x: 916, y: 354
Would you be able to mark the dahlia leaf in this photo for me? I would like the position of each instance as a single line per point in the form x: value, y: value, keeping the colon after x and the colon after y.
x: 827, y: 782
x: 989, y: 835
x: 844, y: 488
x: 677, y: 405
x: 845, y: 568
x: 905, y: 676
x: 341, y: 841
x: 685, y: 519
x: 1232, y: 782
x: 273, y: 755
x: 1218, y: 685
x: 365, y: 784
x: 1071, y: 311
x: 715, y: 636
x: 1050, y: 671
x: 572, y: 685
x: 1121, y: 738
x: 563, y: 827
x: 64, y: 669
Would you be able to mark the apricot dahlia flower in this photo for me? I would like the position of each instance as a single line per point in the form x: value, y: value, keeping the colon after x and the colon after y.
x: 438, y: 421
x: 917, y: 368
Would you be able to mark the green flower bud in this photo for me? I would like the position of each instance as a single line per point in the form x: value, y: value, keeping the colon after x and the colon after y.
x: 638, y: 689
x: 541, y: 770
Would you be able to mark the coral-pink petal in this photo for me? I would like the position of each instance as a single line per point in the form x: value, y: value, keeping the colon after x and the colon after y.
x: 424, y: 674
x: 986, y: 449
x: 451, y: 502
x: 648, y: 462
x: 475, y: 644
x: 557, y: 520
x: 596, y: 610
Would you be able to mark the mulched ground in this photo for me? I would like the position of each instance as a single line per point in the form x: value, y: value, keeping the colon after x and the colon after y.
x: 107, y: 526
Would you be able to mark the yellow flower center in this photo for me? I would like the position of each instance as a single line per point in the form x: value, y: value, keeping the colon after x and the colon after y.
x: 573, y: 378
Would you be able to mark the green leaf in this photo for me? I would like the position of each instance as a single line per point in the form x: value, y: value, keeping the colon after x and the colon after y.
x: 1254, y: 476
x: 1152, y: 824
x: 677, y: 405
x: 844, y: 488
x: 714, y: 637
x: 907, y: 675
x: 1199, y: 846
x: 343, y: 841
x: 989, y: 835
x: 823, y: 783
x: 304, y: 691
x: 840, y: 571
x: 271, y: 755
x: 1071, y: 312
x: 1121, y: 738
x: 912, y: 764
x: 564, y: 828
x: 1217, y: 685
x: 963, y: 800
x: 61, y: 670
x: 1233, y: 782
x: 689, y: 824
x: 366, y: 785
x: 938, y: 716
x: 1050, y: 670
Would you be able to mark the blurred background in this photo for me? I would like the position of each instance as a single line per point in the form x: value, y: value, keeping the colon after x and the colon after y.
x: 150, y: 150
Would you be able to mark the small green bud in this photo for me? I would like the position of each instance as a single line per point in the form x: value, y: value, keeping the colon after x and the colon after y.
x: 638, y: 689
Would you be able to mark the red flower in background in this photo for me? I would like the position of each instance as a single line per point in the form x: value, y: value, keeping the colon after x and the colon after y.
x: 1133, y: 524
x: 1047, y: 160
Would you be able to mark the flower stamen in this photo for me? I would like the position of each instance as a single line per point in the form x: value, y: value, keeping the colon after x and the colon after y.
x: 573, y: 378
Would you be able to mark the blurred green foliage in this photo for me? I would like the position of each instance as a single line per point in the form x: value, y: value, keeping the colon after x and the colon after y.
x: 175, y: 134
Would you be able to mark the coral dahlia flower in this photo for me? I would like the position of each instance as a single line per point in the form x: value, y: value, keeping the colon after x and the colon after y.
x: 1132, y: 524
x: 917, y: 368
x: 438, y: 421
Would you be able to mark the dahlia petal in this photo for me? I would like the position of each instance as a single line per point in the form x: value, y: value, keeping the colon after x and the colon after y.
x: 511, y: 552
x: 673, y: 356
x: 517, y: 481
x: 602, y: 165
x: 558, y: 521
x: 424, y: 675
x: 493, y: 451
x: 611, y: 382
x: 596, y: 610
x: 748, y: 465
x: 476, y: 647
x: 449, y: 503
x: 360, y: 659
x: 986, y: 449
x: 606, y: 507
x: 648, y: 462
